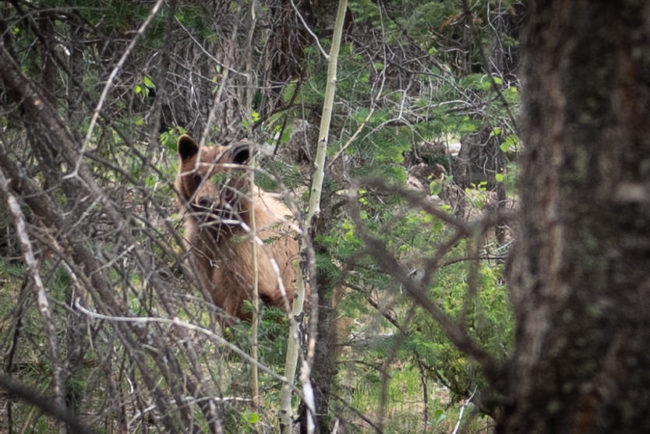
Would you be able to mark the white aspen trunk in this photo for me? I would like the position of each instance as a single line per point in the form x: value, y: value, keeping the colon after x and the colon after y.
x: 293, y: 346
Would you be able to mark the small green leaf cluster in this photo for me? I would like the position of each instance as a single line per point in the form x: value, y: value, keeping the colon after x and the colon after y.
x: 272, y: 335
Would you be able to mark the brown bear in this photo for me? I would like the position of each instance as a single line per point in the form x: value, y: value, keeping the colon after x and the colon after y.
x: 213, y: 189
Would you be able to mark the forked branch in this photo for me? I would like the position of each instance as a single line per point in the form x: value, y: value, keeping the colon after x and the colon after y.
x: 417, y: 290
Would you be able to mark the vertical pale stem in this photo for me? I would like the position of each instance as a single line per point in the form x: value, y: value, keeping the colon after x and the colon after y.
x: 291, y: 360
x: 250, y: 83
x: 326, y: 118
x: 256, y: 299
x: 41, y: 293
x: 314, y: 209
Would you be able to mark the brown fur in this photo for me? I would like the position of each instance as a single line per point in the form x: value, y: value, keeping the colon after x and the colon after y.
x: 213, y: 191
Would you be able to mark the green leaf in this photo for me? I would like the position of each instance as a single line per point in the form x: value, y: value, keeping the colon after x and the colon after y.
x: 499, y: 177
x: 435, y: 188
x: 219, y: 178
x: 288, y: 92
x: 439, y: 416
x: 286, y: 135
x: 149, y: 83
x: 510, y: 142
x: 150, y: 181
x: 253, y: 418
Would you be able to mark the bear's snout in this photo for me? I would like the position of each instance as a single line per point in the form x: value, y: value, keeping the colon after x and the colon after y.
x: 205, y: 202
x: 214, y: 212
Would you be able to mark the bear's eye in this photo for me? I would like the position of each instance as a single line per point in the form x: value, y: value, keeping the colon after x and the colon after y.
x: 197, y: 178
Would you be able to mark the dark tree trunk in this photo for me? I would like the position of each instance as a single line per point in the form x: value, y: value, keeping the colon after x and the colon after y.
x: 324, y: 368
x: 581, y: 273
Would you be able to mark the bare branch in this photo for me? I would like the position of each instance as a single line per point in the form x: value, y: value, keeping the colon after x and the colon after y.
x: 41, y: 293
x: 311, y: 33
x: 417, y: 291
x: 109, y: 82
x: 42, y: 403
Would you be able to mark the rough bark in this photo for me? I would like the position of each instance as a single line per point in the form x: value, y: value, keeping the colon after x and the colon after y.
x: 581, y: 275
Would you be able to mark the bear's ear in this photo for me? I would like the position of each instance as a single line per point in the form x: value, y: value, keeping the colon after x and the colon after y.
x: 240, y: 153
x: 187, y: 147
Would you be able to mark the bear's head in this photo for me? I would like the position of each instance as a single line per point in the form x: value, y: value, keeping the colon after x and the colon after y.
x: 212, y: 182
